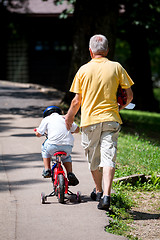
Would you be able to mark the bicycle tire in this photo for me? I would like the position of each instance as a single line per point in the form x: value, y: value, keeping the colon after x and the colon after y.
x: 61, y: 188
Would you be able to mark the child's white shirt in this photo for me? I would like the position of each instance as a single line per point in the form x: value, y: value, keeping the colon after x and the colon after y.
x: 54, y: 125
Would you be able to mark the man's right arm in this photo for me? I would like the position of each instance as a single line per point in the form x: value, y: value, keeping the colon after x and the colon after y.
x: 74, y: 107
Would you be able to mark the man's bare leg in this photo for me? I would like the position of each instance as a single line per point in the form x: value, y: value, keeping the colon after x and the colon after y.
x: 97, y: 177
x: 108, y: 175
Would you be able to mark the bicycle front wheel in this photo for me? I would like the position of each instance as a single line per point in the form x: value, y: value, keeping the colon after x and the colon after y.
x: 61, y: 188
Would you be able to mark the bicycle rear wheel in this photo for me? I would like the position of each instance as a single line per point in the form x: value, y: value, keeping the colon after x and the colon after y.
x: 61, y: 188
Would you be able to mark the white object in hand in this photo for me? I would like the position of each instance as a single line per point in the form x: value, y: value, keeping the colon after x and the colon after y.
x: 130, y: 106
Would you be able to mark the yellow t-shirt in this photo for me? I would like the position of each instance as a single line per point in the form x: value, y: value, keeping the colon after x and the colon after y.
x: 98, y: 81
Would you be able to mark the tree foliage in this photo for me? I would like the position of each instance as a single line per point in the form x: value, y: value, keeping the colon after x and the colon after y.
x: 89, y: 19
x: 133, y: 21
x: 138, y: 25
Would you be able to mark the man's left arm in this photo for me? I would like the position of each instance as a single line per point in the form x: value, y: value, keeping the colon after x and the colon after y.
x: 129, y: 94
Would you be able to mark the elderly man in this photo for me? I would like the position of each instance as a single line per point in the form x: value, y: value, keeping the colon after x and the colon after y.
x: 95, y: 86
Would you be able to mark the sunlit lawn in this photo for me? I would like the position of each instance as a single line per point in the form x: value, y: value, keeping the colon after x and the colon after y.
x: 139, y: 144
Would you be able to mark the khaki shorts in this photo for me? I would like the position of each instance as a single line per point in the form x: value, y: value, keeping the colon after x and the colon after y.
x: 100, y: 144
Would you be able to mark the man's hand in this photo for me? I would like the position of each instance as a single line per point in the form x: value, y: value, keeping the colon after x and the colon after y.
x: 69, y: 120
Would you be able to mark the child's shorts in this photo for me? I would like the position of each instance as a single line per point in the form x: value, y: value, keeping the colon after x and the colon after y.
x: 48, y: 150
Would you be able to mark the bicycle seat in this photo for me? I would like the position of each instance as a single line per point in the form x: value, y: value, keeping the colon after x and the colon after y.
x: 60, y: 153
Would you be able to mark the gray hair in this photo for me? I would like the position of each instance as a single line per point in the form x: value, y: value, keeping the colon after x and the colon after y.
x: 98, y: 44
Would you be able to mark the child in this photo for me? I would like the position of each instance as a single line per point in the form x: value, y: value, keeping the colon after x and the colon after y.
x: 59, y: 139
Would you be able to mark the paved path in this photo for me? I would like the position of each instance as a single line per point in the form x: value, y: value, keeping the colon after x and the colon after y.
x: 22, y: 216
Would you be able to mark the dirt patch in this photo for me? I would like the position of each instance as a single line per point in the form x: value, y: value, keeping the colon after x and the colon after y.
x: 146, y: 215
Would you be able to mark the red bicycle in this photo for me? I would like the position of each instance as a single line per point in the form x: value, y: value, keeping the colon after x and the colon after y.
x: 60, y: 182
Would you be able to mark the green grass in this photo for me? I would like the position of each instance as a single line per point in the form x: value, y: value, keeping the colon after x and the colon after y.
x: 122, y: 202
x: 144, y: 124
x: 139, y: 144
x: 138, y: 153
x: 120, y: 215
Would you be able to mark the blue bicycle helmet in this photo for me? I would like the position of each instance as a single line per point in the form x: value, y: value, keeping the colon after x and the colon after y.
x: 51, y: 109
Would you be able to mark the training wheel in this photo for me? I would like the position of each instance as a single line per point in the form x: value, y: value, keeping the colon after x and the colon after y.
x: 43, y: 198
x: 79, y: 196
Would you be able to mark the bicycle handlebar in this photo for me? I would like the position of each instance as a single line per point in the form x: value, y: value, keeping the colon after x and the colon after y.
x: 45, y: 134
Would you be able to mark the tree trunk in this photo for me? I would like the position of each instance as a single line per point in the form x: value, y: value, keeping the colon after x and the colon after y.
x: 91, y: 17
x: 141, y: 70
